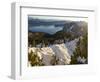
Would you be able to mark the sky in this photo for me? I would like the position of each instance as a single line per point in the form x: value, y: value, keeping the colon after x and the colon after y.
x: 48, y: 24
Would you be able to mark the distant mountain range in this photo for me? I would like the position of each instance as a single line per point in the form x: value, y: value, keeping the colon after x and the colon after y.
x: 51, y: 30
x: 77, y: 28
x: 53, y: 26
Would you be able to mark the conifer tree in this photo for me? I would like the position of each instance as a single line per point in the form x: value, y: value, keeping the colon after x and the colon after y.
x: 81, y: 50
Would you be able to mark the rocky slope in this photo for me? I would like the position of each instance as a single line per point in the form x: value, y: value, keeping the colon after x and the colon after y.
x: 62, y: 52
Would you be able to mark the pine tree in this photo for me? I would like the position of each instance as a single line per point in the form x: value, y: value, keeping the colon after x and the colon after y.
x: 54, y: 60
x: 34, y: 59
x: 81, y: 50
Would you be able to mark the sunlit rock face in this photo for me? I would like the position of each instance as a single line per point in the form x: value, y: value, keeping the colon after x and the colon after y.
x: 63, y: 52
x: 71, y: 46
x: 78, y: 28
